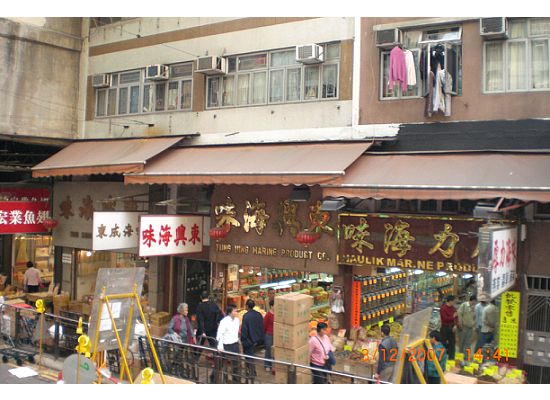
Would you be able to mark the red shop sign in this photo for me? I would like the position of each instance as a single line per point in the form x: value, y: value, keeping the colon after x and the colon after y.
x: 25, y: 194
x: 23, y: 216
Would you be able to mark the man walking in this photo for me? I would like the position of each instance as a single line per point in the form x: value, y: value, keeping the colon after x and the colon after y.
x: 489, y: 318
x: 252, y: 334
x: 449, y: 322
x: 208, y: 318
x: 32, y: 278
x: 386, y: 349
x: 228, y: 339
x: 466, y: 323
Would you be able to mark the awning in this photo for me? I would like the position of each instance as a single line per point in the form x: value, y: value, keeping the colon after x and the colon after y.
x: 276, y: 164
x: 103, y: 157
x: 447, y: 176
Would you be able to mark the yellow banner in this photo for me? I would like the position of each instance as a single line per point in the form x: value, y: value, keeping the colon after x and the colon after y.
x: 509, y: 324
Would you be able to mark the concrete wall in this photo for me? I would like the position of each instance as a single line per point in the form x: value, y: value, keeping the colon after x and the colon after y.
x: 216, y: 36
x: 472, y: 105
x: 39, y: 69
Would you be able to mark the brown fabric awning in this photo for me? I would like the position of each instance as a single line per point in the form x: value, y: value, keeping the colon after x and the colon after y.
x: 471, y: 176
x: 274, y: 164
x: 103, y: 157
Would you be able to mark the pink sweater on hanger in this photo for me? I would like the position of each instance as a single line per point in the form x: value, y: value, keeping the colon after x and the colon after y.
x: 398, y: 68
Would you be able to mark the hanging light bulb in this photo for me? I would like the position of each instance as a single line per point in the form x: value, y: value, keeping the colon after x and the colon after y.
x: 88, y: 254
x: 241, y: 270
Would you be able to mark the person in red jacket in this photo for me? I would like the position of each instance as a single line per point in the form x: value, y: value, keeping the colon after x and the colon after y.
x: 449, y: 323
x: 268, y: 340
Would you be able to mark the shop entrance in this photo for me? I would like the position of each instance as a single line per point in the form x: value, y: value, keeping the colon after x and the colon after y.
x: 193, y: 276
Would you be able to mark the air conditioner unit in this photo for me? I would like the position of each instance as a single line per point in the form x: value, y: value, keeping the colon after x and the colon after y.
x: 211, y: 65
x: 388, y: 38
x: 493, y: 28
x: 310, y: 54
x: 157, y: 72
x: 101, y: 80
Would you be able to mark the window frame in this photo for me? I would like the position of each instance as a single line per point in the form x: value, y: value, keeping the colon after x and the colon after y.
x: 420, y: 46
x: 528, y: 39
x: 141, y: 84
x: 269, y: 69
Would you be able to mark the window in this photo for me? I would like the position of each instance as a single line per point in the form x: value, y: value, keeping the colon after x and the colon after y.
x: 129, y: 90
x: 522, y: 62
x: 274, y: 77
x: 430, y: 49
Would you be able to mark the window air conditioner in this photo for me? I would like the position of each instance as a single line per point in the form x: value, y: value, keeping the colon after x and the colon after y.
x: 493, y: 28
x: 157, y: 72
x: 211, y: 65
x: 388, y: 38
x: 310, y: 54
x: 101, y: 80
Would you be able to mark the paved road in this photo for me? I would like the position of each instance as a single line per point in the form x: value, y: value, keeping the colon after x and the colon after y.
x: 7, y: 377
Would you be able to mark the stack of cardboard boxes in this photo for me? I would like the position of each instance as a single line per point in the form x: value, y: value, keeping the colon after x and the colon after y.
x: 291, y: 334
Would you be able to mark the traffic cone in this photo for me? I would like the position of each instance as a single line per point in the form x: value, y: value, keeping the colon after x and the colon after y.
x: 60, y: 380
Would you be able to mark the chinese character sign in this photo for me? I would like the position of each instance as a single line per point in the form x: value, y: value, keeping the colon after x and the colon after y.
x: 503, y: 258
x: 509, y: 324
x: 115, y: 230
x: 170, y: 234
x: 407, y: 241
x: 23, y: 216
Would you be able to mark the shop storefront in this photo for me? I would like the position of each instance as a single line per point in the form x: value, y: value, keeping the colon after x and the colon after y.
x: 22, y: 214
x: 406, y: 263
x: 97, y: 228
x: 261, y: 249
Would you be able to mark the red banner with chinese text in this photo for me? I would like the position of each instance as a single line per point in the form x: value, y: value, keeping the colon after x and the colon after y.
x: 23, y: 216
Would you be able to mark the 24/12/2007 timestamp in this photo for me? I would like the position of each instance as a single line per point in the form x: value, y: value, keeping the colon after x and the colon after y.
x: 421, y: 354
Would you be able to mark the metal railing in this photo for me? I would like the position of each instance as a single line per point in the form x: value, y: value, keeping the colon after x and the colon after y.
x: 196, y: 363
x: 201, y: 364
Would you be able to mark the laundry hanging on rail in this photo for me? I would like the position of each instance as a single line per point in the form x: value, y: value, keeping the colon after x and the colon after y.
x: 398, y: 68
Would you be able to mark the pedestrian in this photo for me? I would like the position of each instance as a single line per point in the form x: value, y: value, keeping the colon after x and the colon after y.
x: 32, y: 278
x: 252, y: 334
x: 440, y: 354
x: 467, y: 323
x: 181, y: 325
x: 270, y: 298
x: 268, y: 338
x: 479, y: 316
x: 320, y: 349
x: 489, y: 318
x: 449, y: 322
x: 208, y: 319
x: 386, y: 350
x: 228, y: 339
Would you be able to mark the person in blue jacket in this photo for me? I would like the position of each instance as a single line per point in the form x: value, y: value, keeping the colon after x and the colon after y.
x: 440, y: 353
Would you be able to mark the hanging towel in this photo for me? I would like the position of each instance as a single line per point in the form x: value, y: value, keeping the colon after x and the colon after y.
x: 411, y: 70
x: 398, y: 68
x: 429, y: 95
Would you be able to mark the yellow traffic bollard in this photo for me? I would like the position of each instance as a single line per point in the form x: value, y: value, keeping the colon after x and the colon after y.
x: 84, y: 345
x: 40, y: 307
x: 147, y: 376
x: 79, y: 327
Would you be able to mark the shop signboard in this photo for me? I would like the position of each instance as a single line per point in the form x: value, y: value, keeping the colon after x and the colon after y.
x: 25, y: 194
x: 497, y: 259
x: 428, y: 243
x: 509, y: 324
x: 113, y: 230
x: 76, y: 202
x: 23, y: 216
x: 162, y: 235
x: 263, y: 224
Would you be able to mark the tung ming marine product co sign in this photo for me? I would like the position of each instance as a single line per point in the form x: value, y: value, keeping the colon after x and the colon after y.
x: 414, y: 242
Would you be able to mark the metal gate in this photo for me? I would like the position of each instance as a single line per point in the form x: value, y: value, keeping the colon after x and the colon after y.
x: 537, y: 333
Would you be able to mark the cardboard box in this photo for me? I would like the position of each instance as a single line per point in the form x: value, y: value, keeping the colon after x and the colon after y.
x: 75, y: 306
x: 158, y: 331
x: 290, y: 336
x: 86, y: 309
x: 293, y: 308
x: 159, y: 318
x: 303, y: 375
x: 295, y: 356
